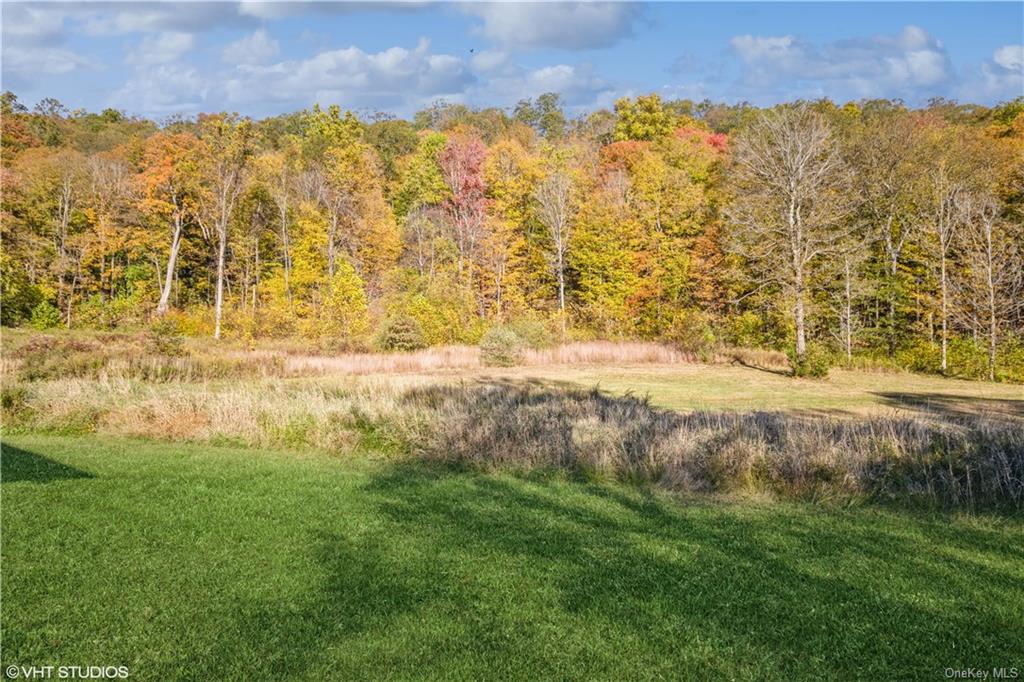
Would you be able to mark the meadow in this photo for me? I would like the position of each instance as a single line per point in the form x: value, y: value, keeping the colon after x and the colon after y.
x: 604, y: 511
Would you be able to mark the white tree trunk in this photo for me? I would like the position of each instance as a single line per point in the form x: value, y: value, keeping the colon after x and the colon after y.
x: 165, y: 290
x: 222, y: 246
x: 849, y: 313
x: 945, y: 305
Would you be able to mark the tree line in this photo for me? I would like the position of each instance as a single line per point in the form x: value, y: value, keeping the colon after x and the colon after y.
x: 868, y: 229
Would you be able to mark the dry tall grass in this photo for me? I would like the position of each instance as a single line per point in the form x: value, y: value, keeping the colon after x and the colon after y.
x: 123, y: 385
x: 468, y: 357
x: 965, y: 463
x: 126, y: 356
x: 428, y: 360
x: 962, y: 462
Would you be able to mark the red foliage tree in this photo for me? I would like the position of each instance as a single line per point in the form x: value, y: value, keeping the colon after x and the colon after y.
x: 462, y: 164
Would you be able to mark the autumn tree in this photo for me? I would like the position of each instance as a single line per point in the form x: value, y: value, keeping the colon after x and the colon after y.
x: 278, y: 172
x: 461, y: 163
x: 168, y: 184
x: 643, y: 118
x: 52, y: 210
x: 993, y: 262
x: 790, y: 202
x: 543, y: 115
x: 223, y: 157
x: 886, y: 157
x: 332, y: 154
x: 516, y: 249
x: 555, y: 208
x: 673, y: 220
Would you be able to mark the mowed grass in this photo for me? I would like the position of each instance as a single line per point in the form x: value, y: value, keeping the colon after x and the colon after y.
x: 738, y: 388
x: 196, y: 562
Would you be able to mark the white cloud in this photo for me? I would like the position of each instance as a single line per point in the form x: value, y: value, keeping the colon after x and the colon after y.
x: 118, y: 18
x: 562, y: 78
x: 261, y: 9
x: 1000, y: 78
x: 33, y: 45
x: 753, y: 49
x: 491, y: 61
x: 253, y: 49
x: 26, y: 24
x: 1010, y: 57
x: 161, y: 48
x: 163, y: 89
x: 351, y: 77
x: 160, y: 82
x: 864, y: 67
x: 560, y: 25
x: 26, y: 61
x: 270, y: 10
x: 577, y: 85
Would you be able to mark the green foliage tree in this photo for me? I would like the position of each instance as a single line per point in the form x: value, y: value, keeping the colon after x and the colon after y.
x: 643, y: 118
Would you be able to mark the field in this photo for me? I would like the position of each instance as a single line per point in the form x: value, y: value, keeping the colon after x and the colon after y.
x: 263, y: 514
x: 198, y: 562
x: 694, y: 386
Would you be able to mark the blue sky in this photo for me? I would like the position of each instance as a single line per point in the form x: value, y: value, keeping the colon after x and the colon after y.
x: 262, y: 58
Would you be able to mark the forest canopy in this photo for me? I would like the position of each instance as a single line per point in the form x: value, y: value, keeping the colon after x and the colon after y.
x: 863, y: 230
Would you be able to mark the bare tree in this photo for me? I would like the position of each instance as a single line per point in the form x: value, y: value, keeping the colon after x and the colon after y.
x: 791, y: 202
x: 178, y: 220
x: 555, y: 209
x: 993, y: 265
x: 69, y: 186
x: 849, y: 286
x: 945, y: 216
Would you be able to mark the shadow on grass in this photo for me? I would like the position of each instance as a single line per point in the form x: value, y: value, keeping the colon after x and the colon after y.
x: 946, y: 405
x: 21, y: 465
x: 474, y: 575
x: 770, y: 370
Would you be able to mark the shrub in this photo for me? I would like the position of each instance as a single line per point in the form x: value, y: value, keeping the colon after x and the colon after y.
x: 45, y: 316
x: 501, y: 347
x: 1010, y: 360
x: 14, y: 399
x: 967, y: 359
x: 50, y: 357
x: 401, y: 333
x: 920, y: 356
x: 164, y: 338
x: 532, y: 332
x: 597, y: 448
x: 131, y: 356
x: 752, y: 330
x: 197, y: 321
x: 446, y: 311
x: 814, y: 363
x: 18, y: 296
x: 691, y: 332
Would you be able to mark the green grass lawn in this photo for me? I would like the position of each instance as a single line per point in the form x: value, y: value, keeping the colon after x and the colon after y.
x: 725, y: 387
x: 194, y: 562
